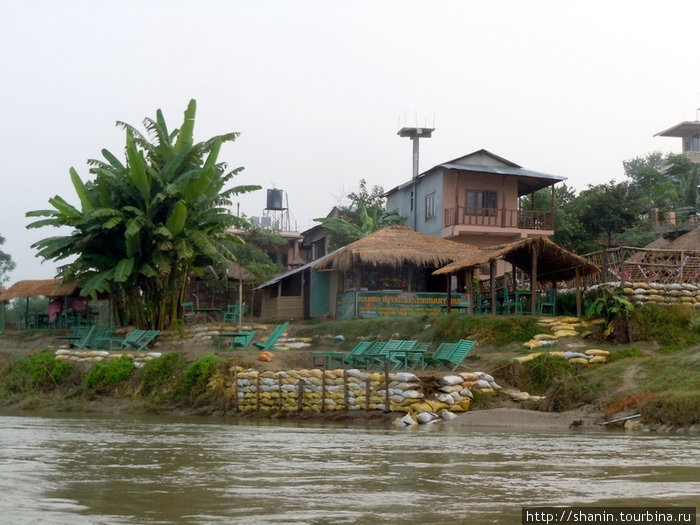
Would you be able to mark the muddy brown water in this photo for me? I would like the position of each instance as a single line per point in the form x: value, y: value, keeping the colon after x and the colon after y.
x: 157, y: 470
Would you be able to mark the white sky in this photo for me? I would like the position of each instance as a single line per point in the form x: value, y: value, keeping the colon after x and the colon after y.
x: 318, y: 90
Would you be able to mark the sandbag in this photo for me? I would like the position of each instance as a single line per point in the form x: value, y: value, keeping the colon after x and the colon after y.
x: 426, y: 417
x: 406, y: 377
x: 451, y: 380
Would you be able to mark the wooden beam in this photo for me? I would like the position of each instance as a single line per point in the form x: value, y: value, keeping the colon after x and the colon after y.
x: 469, y: 288
x: 533, y: 280
x: 578, y: 291
x: 492, y: 285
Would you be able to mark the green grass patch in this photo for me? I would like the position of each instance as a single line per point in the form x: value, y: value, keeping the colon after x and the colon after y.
x: 160, y: 375
x: 679, y: 408
x: 667, y: 325
x: 196, y: 377
x: 104, y: 375
x: 496, y: 330
x: 38, y: 372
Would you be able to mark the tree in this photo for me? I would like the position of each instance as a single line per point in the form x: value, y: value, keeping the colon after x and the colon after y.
x: 606, y: 209
x: 6, y: 263
x: 142, y: 226
x: 253, y: 255
x: 365, y: 214
x: 369, y: 221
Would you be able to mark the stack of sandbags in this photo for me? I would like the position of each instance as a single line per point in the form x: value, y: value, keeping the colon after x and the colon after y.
x: 246, y: 390
x: 641, y: 293
x: 587, y: 357
x: 560, y: 327
x: 357, y: 381
x: 405, y: 390
x: 93, y: 356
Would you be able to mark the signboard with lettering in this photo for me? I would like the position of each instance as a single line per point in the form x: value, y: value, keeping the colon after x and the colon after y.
x: 386, y: 304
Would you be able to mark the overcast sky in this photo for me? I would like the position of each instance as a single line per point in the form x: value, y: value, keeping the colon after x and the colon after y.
x: 318, y: 90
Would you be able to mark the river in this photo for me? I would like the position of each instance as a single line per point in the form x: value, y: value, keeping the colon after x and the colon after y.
x: 155, y: 470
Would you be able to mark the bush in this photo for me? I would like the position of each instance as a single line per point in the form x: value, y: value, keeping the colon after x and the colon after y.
x: 110, y: 373
x: 677, y: 408
x: 667, y: 325
x: 197, y: 375
x: 160, y: 373
x: 543, y: 370
x: 694, y: 324
x: 39, y: 371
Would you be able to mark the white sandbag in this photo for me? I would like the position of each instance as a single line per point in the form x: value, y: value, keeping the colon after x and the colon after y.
x: 451, y: 380
x: 495, y: 385
x: 572, y: 355
x: 519, y: 396
x: 484, y: 376
x: 445, y: 398
x: 456, y: 397
x: 406, y: 377
x: 482, y: 383
x: 413, y: 394
x: 406, y: 421
x: 451, y: 388
x: 465, y: 392
x: 447, y: 415
x: 426, y: 417
x: 358, y: 374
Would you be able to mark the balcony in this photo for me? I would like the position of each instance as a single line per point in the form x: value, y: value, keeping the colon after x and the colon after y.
x: 499, y: 218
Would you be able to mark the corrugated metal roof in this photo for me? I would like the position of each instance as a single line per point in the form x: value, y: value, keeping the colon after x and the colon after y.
x: 502, y: 170
x: 291, y: 272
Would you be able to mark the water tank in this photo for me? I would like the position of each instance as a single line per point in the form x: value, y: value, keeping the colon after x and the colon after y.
x: 274, y: 200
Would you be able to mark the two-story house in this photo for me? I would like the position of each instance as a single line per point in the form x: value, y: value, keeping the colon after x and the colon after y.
x: 475, y: 199
x: 689, y: 131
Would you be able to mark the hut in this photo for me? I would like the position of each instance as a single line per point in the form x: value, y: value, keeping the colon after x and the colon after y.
x: 388, y: 272
x: 62, y: 296
x: 541, y: 259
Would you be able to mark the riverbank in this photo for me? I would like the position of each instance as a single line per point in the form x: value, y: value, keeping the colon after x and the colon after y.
x: 645, y: 378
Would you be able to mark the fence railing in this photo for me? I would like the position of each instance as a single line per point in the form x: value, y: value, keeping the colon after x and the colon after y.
x: 499, y: 217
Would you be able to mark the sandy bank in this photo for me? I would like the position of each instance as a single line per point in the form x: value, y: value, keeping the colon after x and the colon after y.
x: 516, y: 418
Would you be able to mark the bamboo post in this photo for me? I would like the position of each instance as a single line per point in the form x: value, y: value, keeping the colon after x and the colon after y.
x: 470, y: 288
x: 492, y: 277
x: 387, y: 407
x: 533, y: 281
x: 300, y: 395
x: 367, y: 393
x: 323, y: 388
x: 578, y: 291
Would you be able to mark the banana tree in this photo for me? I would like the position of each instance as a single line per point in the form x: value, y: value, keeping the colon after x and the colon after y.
x: 144, y: 224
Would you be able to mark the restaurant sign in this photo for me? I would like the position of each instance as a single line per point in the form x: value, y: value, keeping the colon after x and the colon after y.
x: 368, y: 305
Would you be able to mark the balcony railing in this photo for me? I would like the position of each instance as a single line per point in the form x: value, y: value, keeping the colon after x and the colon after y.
x: 499, y: 218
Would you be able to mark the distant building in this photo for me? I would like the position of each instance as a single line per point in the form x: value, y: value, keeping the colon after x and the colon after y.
x: 315, y: 242
x: 689, y: 131
x: 474, y: 199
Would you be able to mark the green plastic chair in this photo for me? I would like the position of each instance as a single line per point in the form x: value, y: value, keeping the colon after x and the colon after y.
x: 188, y: 313
x: 243, y: 340
x: 269, y: 343
x: 548, y: 305
x: 458, y: 354
x: 438, y: 356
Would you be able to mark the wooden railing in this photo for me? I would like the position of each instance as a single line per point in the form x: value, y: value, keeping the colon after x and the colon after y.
x: 500, y: 218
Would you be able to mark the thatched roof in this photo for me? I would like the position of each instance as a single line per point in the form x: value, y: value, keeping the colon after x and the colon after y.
x: 395, y: 246
x: 45, y: 287
x: 554, y: 263
x: 658, y: 244
x: 688, y: 242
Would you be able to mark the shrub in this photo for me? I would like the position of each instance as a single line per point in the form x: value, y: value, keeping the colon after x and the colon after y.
x: 196, y: 378
x: 110, y: 373
x: 543, y: 370
x: 160, y: 373
x: 39, y: 371
x: 677, y: 408
x: 694, y: 324
x: 499, y: 330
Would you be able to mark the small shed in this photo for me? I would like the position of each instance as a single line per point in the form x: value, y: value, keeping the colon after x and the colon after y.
x: 542, y: 259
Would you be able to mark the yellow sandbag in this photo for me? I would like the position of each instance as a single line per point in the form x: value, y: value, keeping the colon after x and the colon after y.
x: 565, y: 333
x: 436, y: 405
x: 569, y: 320
x: 543, y: 337
x: 487, y: 391
x: 525, y: 358
x: 546, y: 320
x: 556, y: 353
x: 465, y: 403
x: 598, y: 359
x: 532, y: 344
x: 579, y: 360
x: 595, y: 351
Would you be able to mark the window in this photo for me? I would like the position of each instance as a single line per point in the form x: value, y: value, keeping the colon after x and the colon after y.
x: 430, y: 206
x: 483, y: 203
x: 695, y: 143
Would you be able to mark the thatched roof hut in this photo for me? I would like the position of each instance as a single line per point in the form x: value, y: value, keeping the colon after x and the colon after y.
x: 688, y: 242
x: 554, y: 263
x: 395, y: 246
x: 45, y: 287
x: 658, y: 244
